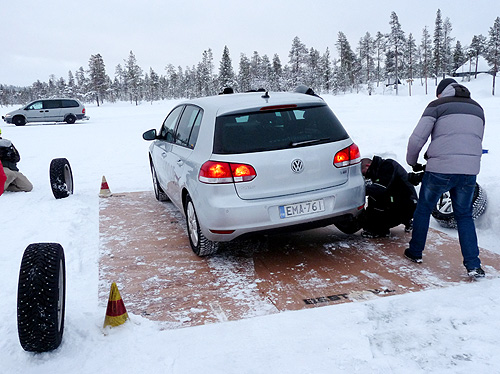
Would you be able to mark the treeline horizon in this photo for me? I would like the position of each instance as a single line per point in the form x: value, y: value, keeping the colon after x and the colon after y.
x: 377, y: 59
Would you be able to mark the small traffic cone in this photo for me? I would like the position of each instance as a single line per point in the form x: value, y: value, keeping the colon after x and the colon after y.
x: 116, y: 314
x: 105, y: 191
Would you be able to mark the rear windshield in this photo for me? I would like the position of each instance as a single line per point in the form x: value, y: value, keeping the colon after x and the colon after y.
x: 273, y: 130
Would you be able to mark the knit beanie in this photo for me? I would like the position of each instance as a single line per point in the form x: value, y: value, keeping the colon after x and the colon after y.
x: 443, y: 84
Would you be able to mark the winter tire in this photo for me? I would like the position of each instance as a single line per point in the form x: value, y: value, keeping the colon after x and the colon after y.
x: 19, y: 121
x: 41, y: 297
x: 443, y: 212
x: 199, y: 243
x: 61, y: 178
x: 70, y: 119
x: 159, y: 193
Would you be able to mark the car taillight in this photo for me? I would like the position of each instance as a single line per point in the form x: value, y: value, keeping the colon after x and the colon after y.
x: 347, y: 156
x: 83, y: 111
x: 225, y: 172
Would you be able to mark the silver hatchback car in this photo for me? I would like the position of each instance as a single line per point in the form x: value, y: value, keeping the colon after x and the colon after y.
x: 239, y: 164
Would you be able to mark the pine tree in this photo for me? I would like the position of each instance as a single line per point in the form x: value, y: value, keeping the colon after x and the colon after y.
x: 379, y: 45
x: 366, y: 57
x: 345, y: 72
x: 276, y: 76
x: 438, y: 45
x: 411, y: 58
x: 458, y: 56
x: 312, y: 70
x: 244, y: 73
x: 493, y: 50
x: 298, y: 56
x: 98, y: 78
x: 133, y: 76
x: 226, y: 72
x: 396, y: 41
x: 446, y: 51
x: 477, y: 48
x: 426, y: 53
x: 326, y: 72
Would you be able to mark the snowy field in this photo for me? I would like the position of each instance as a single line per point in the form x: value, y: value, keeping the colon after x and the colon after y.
x: 452, y: 330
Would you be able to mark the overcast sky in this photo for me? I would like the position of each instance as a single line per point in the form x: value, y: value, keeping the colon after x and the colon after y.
x: 40, y: 38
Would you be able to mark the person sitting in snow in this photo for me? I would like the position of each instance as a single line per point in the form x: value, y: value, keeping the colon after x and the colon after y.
x: 9, y: 156
x: 392, y: 199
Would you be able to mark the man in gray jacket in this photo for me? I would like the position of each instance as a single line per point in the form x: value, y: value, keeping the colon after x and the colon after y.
x: 455, y: 124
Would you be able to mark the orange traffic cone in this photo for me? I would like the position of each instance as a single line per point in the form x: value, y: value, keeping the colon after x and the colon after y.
x: 116, y: 314
x: 105, y: 191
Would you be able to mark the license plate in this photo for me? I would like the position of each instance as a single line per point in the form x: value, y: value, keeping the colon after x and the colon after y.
x: 301, y: 209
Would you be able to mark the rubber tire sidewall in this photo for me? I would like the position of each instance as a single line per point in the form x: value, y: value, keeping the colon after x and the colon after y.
x: 17, y: 122
x: 41, y: 297
x: 61, y: 178
x: 203, y: 247
x: 70, y: 119
x: 479, y: 202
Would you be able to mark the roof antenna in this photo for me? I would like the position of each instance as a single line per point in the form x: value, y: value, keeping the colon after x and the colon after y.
x: 266, y: 95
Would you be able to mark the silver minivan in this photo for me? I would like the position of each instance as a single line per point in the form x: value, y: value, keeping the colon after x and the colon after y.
x: 48, y: 110
x: 239, y: 164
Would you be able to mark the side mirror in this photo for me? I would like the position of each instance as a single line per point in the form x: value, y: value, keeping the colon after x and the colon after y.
x: 149, y: 135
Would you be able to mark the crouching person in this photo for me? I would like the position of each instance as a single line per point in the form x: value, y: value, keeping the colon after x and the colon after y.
x: 392, y: 199
x: 9, y: 156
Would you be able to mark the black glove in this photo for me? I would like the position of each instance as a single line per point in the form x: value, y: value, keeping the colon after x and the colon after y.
x: 415, y: 178
x: 418, y: 167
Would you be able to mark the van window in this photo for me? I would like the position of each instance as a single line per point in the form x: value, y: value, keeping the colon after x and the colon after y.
x: 37, y: 105
x: 52, y: 104
x: 69, y: 104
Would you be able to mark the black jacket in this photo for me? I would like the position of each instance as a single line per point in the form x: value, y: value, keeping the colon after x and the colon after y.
x: 390, y: 188
x: 9, y: 154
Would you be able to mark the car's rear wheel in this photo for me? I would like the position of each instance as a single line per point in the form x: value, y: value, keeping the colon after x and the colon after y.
x: 199, y: 243
x: 70, y: 119
x: 41, y: 297
x: 19, y: 121
x: 159, y: 193
x: 443, y: 212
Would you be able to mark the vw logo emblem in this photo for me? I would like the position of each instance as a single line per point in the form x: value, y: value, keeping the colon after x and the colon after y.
x: 297, y: 166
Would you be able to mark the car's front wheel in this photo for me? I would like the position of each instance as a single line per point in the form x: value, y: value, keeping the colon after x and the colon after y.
x: 19, y: 121
x: 159, y: 193
x: 199, y: 243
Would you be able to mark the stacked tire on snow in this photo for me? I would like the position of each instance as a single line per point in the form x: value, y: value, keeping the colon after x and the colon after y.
x: 61, y: 178
x: 41, y: 297
x: 443, y: 212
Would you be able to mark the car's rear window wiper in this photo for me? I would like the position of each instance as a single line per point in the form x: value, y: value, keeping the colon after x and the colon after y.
x: 309, y: 142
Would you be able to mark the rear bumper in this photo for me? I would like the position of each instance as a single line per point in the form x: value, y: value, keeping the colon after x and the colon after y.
x: 242, y: 217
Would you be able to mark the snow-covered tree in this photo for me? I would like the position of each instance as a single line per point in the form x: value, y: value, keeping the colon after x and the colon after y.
x: 326, y: 72
x: 492, y: 54
x: 347, y: 60
x: 366, y: 52
x: 426, y: 56
x: 244, y: 74
x: 97, y: 78
x: 438, y: 46
x: 133, y: 76
x: 276, y: 76
x: 297, y: 60
x: 379, y: 46
x: 396, y: 41
x: 411, y: 54
x: 477, y: 48
x: 226, y: 73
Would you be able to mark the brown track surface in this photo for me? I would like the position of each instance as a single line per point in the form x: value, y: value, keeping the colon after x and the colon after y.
x: 145, y: 250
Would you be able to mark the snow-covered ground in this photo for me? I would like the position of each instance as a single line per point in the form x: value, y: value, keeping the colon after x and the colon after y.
x: 452, y: 330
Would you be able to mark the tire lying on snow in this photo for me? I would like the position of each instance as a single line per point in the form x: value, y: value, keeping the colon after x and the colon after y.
x: 443, y: 212
x: 61, y: 178
x: 41, y: 297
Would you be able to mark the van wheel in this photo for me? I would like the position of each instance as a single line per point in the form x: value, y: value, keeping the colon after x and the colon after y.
x: 70, y: 119
x: 199, y: 243
x: 41, y: 297
x: 19, y: 121
x: 61, y: 178
x: 443, y: 212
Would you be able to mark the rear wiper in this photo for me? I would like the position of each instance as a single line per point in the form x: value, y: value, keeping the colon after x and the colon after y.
x: 309, y: 142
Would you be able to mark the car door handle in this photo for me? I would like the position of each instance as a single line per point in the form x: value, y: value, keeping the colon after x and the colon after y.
x: 180, y: 162
x: 164, y: 154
